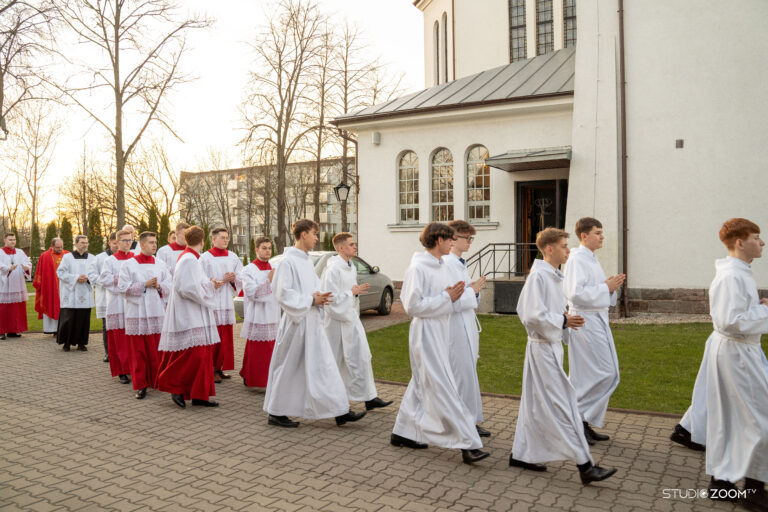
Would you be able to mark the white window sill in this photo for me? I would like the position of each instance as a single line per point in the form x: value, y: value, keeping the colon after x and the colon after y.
x: 485, y: 225
x: 405, y: 227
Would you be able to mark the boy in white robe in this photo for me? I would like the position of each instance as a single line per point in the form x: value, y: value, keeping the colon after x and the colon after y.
x: 343, y: 326
x: 304, y: 380
x: 117, y: 345
x: 737, y: 372
x: 592, y: 361
x: 75, y: 296
x: 549, y: 423
x: 94, y: 270
x: 189, y: 330
x: 169, y: 254
x: 146, y: 284
x: 432, y: 410
x: 465, y: 328
x: 222, y: 265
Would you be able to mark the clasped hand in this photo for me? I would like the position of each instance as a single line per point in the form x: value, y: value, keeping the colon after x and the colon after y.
x: 321, y: 299
x: 615, y: 282
x: 456, y: 290
x: 360, y: 288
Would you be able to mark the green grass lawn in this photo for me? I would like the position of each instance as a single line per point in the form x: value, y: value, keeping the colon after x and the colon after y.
x: 35, y: 325
x: 658, y: 363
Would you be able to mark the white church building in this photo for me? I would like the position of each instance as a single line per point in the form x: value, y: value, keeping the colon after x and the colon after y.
x: 526, y: 123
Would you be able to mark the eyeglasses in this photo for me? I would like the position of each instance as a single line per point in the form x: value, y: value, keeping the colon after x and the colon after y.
x: 467, y: 238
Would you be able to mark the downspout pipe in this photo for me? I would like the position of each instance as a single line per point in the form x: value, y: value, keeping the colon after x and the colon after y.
x: 623, y: 150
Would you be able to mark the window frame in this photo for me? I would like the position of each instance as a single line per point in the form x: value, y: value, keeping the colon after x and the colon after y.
x: 544, y: 27
x: 449, y: 203
x: 413, y: 179
x: 486, y: 170
x: 514, y: 28
x: 569, y: 6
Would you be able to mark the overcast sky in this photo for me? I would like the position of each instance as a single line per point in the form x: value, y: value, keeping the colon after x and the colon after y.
x: 205, y: 112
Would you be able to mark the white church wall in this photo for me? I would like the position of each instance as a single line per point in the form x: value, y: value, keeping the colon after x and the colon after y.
x: 390, y: 246
x: 696, y: 72
x: 482, y: 36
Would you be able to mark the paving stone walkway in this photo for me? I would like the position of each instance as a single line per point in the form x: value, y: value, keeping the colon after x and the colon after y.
x: 72, y: 438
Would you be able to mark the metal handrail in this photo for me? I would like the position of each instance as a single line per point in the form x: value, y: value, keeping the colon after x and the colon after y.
x: 500, y: 260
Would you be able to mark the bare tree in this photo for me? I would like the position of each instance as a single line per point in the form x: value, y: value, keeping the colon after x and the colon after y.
x: 151, y: 180
x: 24, y: 31
x: 33, y: 148
x: 83, y: 191
x: 276, y: 103
x: 148, y: 38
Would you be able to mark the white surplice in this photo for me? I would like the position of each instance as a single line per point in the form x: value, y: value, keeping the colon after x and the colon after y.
x: 110, y: 272
x: 592, y: 361
x: 94, y: 271
x: 144, y: 307
x: 304, y: 380
x: 549, y: 426
x: 169, y: 254
x: 465, y: 338
x: 432, y: 410
x: 13, y: 286
x: 189, y: 320
x: 262, y: 312
x: 71, y: 293
x: 215, y: 267
x: 737, y: 376
x: 695, y: 418
x: 345, y: 330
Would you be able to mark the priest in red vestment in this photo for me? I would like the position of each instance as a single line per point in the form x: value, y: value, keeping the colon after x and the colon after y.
x: 46, y: 285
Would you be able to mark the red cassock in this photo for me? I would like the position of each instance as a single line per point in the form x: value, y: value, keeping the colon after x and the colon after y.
x: 46, y: 284
x: 188, y: 372
x: 258, y: 354
x: 224, y: 351
x: 13, y: 315
x: 145, y: 360
x: 119, y: 351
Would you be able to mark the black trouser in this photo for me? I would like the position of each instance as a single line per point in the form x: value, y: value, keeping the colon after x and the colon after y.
x: 104, y: 335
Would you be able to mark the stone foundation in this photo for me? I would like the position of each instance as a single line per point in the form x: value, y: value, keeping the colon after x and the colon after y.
x: 671, y: 300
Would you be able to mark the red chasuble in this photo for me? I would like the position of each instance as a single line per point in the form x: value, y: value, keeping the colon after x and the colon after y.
x: 46, y: 284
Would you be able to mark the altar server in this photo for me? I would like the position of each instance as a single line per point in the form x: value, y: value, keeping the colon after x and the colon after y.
x: 189, y: 330
x: 343, y: 326
x: 146, y: 284
x: 432, y: 410
x: 304, y: 380
x: 737, y: 371
x: 592, y: 361
x: 15, y: 267
x: 169, y: 254
x: 94, y: 270
x: 549, y: 424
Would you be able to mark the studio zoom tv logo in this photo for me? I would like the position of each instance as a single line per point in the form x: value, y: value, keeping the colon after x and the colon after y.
x: 690, y: 494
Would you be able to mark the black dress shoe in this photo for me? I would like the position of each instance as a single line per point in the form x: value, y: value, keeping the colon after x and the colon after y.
x: 65, y: 348
x: 376, y: 403
x: 756, y: 501
x: 472, y: 456
x: 141, y: 393
x: 526, y: 465
x: 2, y: 336
x: 722, y: 490
x: 349, y: 417
x: 82, y: 348
x: 14, y: 335
x: 124, y: 379
x: 396, y: 440
x: 179, y: 400
x: 683, y: 437
x: 205, y: 403
x: 595, y: 474
x: 282, y: 421
x: 594, y: 435
x: 106, y: 358
x: 482, y: 432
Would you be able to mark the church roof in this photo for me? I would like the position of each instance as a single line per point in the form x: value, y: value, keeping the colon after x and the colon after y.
x: 543, y: 76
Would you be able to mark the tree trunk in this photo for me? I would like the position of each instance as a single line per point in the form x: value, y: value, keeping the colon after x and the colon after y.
x: 119, y: 155
x: 281, y: 209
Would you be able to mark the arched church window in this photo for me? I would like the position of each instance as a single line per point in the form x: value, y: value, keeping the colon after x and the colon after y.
x: 442, y: 185
x: 478, y: 185
x: 408, y: 188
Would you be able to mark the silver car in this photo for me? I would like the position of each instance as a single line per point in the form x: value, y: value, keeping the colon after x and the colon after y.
x: 378, y: 297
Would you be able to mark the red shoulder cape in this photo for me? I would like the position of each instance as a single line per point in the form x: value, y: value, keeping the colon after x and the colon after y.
x: 46, y: 285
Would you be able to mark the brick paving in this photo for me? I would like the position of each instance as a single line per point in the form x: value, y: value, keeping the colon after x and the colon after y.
x: 75, y: 439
